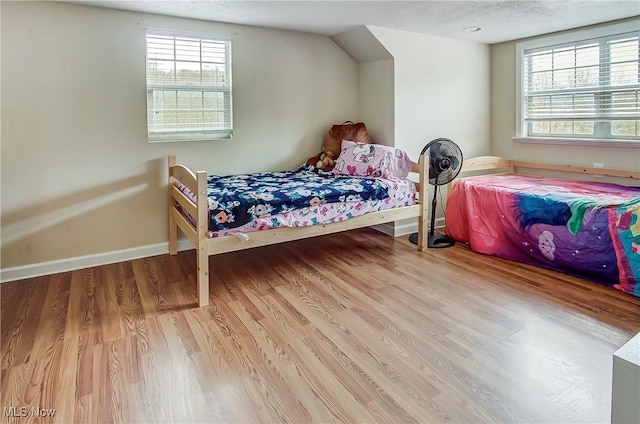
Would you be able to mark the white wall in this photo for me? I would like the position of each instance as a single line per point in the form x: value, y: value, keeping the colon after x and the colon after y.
x: 503, y: 124
x: 78, y: 176
x: 415, y: 87
x: 376, y: 100
x: 375, y: 82
x: 441, y: 89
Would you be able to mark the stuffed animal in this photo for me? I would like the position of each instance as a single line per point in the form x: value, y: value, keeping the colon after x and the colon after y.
x: 354, y: 131
x: 326, y: 161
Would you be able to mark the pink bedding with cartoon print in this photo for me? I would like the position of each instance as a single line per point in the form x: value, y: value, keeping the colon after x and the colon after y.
x: 316, y: 210
x: 588, y: 229
x: 401, y: 193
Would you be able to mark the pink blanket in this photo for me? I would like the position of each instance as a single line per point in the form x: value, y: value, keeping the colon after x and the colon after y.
x: 589, y: 229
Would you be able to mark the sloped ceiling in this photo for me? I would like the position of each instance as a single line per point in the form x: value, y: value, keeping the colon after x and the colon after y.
x: 361, y: 45
x: 500, y: 20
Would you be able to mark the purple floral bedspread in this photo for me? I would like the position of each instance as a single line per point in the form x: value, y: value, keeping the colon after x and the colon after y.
x: 589, y: 229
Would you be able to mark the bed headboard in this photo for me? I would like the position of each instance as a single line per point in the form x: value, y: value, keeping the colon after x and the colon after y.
x: 496, y: 164
x: 492, y: 164
x: 585, y: 170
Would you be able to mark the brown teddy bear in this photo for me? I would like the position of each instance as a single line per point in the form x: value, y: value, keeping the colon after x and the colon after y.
x: 353, y: 131
x: 326, y: 161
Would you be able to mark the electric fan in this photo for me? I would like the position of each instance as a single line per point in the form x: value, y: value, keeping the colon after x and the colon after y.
x: 445, y: 161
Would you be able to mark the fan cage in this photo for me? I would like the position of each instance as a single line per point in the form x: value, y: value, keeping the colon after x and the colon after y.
x: 447, y: 149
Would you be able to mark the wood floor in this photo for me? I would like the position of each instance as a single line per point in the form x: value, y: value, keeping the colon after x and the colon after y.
x: 352, y: 327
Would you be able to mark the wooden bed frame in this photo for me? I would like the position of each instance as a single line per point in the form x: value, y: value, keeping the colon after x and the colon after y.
x: 497, y: 165
x: 197, y: 183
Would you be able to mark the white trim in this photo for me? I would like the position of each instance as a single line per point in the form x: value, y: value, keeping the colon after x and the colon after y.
x: 405, y: 229
x: 188, y: 34
x: 410, y: 228
x: 193, y: 134
x: 578, y: 141
x: 98, y: 259
x: 563, y: 38
x: 388, y: 229
x: 584, y: 34
x: 174, y: 138
x: 520, y: 125
x: 80, y: 262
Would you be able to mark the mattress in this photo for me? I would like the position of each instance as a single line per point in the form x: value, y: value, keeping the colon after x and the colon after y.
x: 304, y: 197
x: 588, y: 229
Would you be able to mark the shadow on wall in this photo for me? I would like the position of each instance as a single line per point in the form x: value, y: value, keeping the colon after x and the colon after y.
x: 93, y: 220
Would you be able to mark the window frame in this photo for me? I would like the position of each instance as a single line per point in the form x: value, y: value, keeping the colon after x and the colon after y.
x: 194, y: 134
x: 600, y: 32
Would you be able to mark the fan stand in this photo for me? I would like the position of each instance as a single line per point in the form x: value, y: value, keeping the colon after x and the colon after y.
x: 434, y: 239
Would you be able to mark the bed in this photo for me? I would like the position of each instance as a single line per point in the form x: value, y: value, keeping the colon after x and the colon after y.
x: 221, y: 225
x: 590, y: 229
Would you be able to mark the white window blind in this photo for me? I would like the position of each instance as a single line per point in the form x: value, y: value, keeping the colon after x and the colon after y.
x: 188, y: 86
x: 583, y: 89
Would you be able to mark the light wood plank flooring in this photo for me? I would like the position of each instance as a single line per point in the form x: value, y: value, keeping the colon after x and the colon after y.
x: 353, y: 327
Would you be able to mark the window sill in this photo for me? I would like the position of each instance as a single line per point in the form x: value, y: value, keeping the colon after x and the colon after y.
x: 176, y: 139
x: 579, y: 141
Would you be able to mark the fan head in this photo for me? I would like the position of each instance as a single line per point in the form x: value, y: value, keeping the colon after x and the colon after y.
x: 445, y: 160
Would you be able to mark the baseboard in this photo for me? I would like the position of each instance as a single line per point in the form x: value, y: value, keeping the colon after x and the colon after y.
x: 98, y: 259
x: 403, y: 230
x: 80, y: 262
x: 387, y: 229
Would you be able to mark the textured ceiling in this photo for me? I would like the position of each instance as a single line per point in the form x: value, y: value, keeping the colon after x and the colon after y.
x: 499, y: 20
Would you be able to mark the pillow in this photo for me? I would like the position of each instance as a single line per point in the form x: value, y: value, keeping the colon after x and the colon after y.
x: 345, y: 131
x: 372, y: 160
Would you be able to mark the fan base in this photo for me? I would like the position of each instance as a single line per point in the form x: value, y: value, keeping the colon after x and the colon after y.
x: 434, y: 240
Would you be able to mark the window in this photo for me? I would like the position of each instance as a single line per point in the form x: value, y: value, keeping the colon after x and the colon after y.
x: 188, y: 86
x: 581, y: 86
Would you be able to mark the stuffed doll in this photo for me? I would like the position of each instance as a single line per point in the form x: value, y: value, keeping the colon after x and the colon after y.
x: 354, y: 131
x: 326, y: 162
